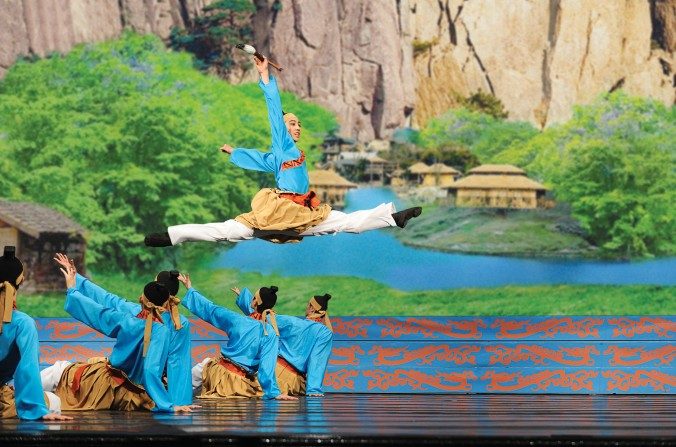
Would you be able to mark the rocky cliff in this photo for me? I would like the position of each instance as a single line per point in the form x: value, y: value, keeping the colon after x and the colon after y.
x: 383, y: 64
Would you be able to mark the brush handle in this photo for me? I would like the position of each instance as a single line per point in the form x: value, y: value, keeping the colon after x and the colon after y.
x: 260, y: 57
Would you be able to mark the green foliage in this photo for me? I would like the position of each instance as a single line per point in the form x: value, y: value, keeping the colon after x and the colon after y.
x: 456, y: 156
x: 362, y: 297
x: 484, y: 135
x: 421, y: 46
x: 613, y: 162
x: 123, y: 137
x: 485, y: 103
x: 212, y: 37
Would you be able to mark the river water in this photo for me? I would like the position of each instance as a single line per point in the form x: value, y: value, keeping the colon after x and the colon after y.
x: 378, y: 255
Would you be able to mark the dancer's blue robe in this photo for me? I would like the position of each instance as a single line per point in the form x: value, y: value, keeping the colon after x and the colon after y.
x: 127, y: 354
x: 19, y: 351
x: 293, y: 179
x: 247, y: 346
x: 306, y: 345
x: 179, y: 363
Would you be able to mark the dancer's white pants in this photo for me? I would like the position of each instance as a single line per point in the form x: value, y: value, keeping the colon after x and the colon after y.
x: 197, y: 375
x: 336, y: 222
x: 50, y: 377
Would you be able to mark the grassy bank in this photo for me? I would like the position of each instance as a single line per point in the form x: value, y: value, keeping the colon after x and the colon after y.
x: 541, y: 233
x: 361, y: 297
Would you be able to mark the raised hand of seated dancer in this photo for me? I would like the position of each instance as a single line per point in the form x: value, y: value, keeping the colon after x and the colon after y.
x: 185, y: 280
x: 226, y: 148
x: 236, y: 290
x: 68, y: 270
x: 64, y: 262
x: 285, y: 397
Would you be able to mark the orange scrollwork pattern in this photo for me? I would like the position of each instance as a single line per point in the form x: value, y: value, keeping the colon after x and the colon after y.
x: 66, y: 330
x: 625, y: 381
x: 50, y: 354
x: 199, y: 353
x: 417, y: 380
x: 548, y: 328
x: 352, y: 328
x: 541, y: 381
x: 205, y: 330
x: 346, y: 356
x: 341, y: 379
x: 425, y: 356
x: 540, y: 355
x: 664, y: 355
x: 464, y: 329
x: 630, y: 327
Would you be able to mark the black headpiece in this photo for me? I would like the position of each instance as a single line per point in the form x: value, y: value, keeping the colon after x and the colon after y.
x: 11, y: 269
x: 268, y: 297
x: 156, y: 293
x: 169, y: 279
x: 323, y: 301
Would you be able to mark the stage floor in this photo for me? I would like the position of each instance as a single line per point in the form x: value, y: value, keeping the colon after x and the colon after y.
x: 375, y: 419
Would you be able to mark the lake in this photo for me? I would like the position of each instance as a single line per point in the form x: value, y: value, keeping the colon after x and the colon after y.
x: 378, y: 255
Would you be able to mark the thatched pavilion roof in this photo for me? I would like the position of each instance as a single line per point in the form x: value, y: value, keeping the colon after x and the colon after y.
x: 36, y: 220
x: 497, y: 169
x: 493, y: 181
x: 418, y: 168
x: 440, y: 168
x: 323, y: 177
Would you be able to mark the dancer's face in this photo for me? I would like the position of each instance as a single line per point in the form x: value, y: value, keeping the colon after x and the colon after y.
x: 293, y: 126
x: 309, y: 310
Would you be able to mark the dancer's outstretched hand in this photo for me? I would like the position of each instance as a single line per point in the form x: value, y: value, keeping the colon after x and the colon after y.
x: 63, y: 260
x: 226, y: 148
x: 185, y: 279
x: 56, y: 417
x: 236, y: 290
x: 182, y: 408
x: 262, y: 67
x: 68, y: 269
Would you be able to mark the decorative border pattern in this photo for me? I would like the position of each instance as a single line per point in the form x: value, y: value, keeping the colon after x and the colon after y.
x: 455, y: 354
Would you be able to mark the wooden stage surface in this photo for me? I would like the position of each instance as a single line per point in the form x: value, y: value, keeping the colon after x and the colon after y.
x: 376, y: 419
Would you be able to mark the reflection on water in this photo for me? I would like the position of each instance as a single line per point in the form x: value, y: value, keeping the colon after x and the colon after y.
x: 380, y: 256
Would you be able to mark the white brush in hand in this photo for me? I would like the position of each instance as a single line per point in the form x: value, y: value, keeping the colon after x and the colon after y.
x: 252, y: 51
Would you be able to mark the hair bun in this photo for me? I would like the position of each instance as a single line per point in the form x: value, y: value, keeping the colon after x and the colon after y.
x: 174, y: 273
x: 274, y: 288
x: 9, y: 252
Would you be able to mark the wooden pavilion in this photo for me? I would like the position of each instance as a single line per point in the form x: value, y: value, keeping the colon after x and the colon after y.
x: 439, y: 174
x: 330, y: 186
x: 38, y: 232
x: 497, y: 186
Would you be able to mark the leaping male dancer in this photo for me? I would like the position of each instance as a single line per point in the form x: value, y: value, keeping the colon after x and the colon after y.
x: 291, y: 211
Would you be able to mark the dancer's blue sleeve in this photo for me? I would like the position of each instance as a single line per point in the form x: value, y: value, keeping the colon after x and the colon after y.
x: 153, y: 368
x: 318, y: 360
x: 217, y: 316
x: 253, y: 160
x: 28, y: 395
x: 282, y: 142
x: 97, y: 293
x: 267, y: 365
x: 179, y: 365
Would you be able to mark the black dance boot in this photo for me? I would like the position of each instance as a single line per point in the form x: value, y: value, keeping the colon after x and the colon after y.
x: 402, y: 217
x: 158, y: 240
